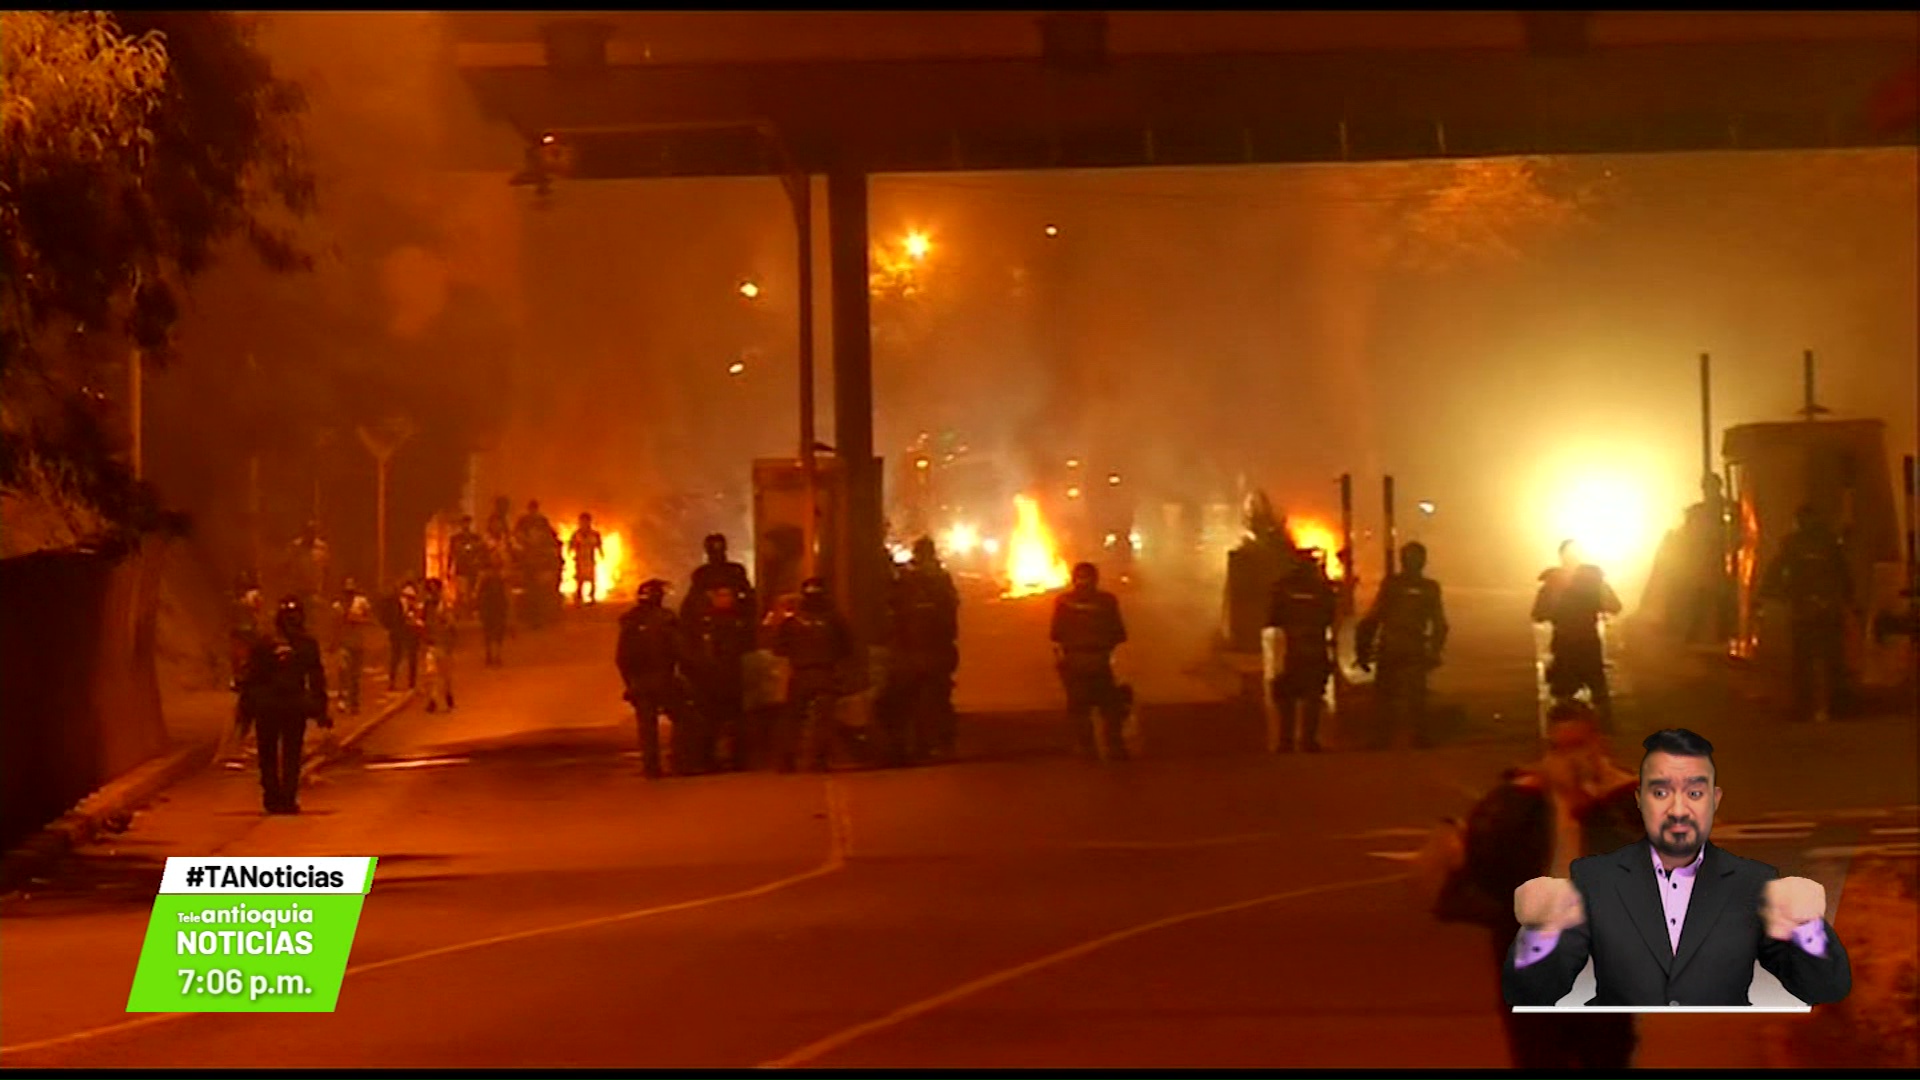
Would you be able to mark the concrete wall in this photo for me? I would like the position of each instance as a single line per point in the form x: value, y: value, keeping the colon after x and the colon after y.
x: 77, y: 676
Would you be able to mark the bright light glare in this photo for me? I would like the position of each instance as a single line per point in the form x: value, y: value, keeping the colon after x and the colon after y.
x: 991, y: 546
x: 1426, y: 507
x: 1610, y: 515
x: 736, y: 368
x: 749, y: 290
x: 961, y: 539
x: 917, y: 245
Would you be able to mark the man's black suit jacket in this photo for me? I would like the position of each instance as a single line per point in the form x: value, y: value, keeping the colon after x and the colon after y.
x: 1633, y: 962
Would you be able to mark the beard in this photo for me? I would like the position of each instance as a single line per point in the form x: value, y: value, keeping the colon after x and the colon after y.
x: 1679, y: 839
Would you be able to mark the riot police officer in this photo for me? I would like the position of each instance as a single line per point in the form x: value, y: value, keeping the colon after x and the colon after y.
x: 285, y: 686
x: 1304, y: 610
x: 1086, y: 629
x: 1810, y: 573
x: 923, y: 651
x: 1573, y: 597
x: 718, y: 618
x: 718, y: 573
x: 1406, y: 628
x: 817, y: 644
x: 466, y: 558
x: 648, y: 656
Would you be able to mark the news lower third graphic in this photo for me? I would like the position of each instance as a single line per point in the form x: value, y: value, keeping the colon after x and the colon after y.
x: 250, y: 935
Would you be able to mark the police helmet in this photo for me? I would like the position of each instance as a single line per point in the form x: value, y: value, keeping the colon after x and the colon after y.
x: 924, y: 551
x: 1414, y: 556
x: 652, y: 591
x: 813, y: 587
x: 1086, y: 574
x: 291, y: 614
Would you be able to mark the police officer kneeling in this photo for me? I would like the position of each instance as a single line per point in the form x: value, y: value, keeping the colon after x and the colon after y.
x: 1086, y: 629
x: 285, y: 686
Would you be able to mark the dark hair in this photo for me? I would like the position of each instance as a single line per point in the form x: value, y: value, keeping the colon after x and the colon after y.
x: 1680, y: 743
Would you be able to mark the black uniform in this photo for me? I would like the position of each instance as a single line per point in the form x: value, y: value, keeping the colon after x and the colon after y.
x: 1810, y: 573
x: 1573, y: 600
x: 923, y: 652
x: 648, y: 655
x: 1086, y: 629
x: 466, y: 558
x: 1404, y: 630
x: 285, y: 686
x: 495, y: 608
x: 817, y: 643
x: 718, y: 638
x: 1304, y: 610
x: 711, y: 577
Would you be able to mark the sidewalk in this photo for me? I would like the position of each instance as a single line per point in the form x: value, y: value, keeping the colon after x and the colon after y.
x: 199, y: 726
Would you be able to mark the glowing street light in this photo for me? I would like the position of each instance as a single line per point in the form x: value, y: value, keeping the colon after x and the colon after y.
x: 1073, y: 463
x: 1426, y: 508
x: 1113, y: 479
x: 917, y: 245
x: 1052, y: 231
x: 736, y: 368
x: 749, y: 290
x: 1073, y: 493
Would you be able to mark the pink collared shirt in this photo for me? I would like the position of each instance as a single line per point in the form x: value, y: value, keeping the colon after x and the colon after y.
x: 1676, y: 890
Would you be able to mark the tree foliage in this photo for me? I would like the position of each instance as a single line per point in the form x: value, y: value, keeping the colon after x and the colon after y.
x: 136, y: 143
x: 133, y: 145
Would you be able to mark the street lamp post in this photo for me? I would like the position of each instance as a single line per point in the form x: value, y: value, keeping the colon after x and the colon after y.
x: 382, y: 443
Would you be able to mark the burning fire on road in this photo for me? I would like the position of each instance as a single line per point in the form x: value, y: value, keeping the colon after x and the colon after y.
x: 1309, y: 535
x: 1034, y: 563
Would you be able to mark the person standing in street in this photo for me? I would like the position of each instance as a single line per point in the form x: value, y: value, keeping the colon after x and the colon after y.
x: 585, y: 546
x: 817, y: 643
x: 1406, y: 628
x: 285, y: 687
x: 923, y: 651
x: 437, y: 629
x: 1574, y: 597
x: 1573, y: 801
x: 1810, y: 574
x: 355, y: 615
x: 1304, y: 610
x: 648, y: 656
x: 1085, y: 631
x: 495, y: 611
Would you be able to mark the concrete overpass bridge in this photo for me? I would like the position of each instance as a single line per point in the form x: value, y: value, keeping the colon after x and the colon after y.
x: 652, y: 95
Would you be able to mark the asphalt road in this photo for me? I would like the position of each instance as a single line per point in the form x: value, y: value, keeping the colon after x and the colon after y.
x: 539, y: 904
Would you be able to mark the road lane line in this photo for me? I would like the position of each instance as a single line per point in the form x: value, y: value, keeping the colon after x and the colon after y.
x: 839, y: 832
x: 819, y: 1048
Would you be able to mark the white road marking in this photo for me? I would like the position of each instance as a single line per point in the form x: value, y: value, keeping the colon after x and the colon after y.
x: 821, y: 1047
x: 840, y: 832
x: 1381, y: 834
x: 418, y: 763
x: 1855, y: 851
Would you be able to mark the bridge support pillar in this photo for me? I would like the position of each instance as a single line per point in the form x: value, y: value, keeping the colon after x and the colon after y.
x: 860, y: 539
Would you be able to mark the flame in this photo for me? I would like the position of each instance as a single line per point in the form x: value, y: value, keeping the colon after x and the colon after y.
x: 608, y: 573
x: 1034, y: 565
x: 1308, y: 535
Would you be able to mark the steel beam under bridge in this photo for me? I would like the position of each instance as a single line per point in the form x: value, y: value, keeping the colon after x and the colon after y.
x: 850, y: 119
x: 926, y: 116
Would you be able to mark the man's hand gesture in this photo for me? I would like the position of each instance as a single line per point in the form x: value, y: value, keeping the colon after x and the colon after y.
x: 1548, y: 905
x: 1789, y: 903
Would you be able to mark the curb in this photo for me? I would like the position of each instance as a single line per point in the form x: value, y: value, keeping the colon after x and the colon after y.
x: 86, y: 821
x: 321, y: 758
x: 132, y: 791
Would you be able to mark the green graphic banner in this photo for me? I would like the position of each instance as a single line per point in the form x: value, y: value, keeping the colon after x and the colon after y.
x: 250, y: 935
